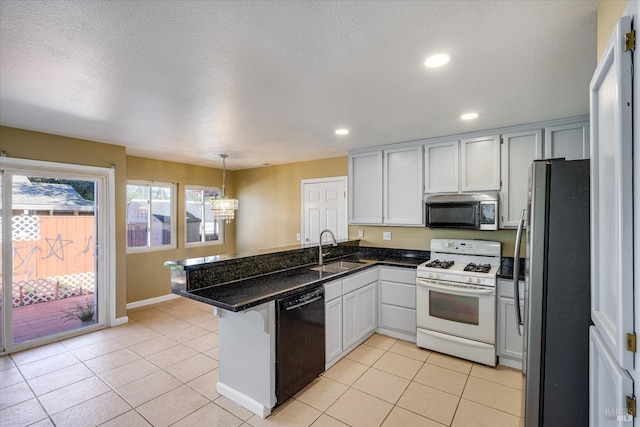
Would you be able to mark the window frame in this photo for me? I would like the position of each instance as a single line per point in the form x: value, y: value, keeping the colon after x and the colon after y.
x: 205, y: 205
x: 150, y: 247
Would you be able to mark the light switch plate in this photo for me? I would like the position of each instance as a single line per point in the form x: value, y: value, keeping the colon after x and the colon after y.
x: 386, y: 235
x: 360, y: 233
x: 298, y: 237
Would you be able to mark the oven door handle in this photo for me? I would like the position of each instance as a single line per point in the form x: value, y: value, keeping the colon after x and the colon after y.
x: 455, y: 290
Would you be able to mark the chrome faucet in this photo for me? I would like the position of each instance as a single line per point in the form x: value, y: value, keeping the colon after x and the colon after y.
x: 326, y: 230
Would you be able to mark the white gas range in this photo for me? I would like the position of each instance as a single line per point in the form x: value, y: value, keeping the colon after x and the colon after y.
x: 456, y: 299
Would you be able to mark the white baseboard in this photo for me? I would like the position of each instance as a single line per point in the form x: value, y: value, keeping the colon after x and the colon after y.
x: 149, y: 301
x: 396, y: 334
x: 119, y: 321
x: 243, y: 400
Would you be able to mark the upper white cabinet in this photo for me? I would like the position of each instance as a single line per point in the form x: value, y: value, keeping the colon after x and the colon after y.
x: 365, y: 188
x: 386, y: 187
x: 402, y: 192
x: 518, y: 151
x: 480, y: 164
x: 441, y: 167
x: 569, y: 141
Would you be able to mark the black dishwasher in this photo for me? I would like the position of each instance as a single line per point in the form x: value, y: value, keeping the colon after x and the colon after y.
x: 299, y: 341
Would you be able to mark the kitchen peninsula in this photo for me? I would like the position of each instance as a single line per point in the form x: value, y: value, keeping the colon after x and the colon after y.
x: 244, y: 288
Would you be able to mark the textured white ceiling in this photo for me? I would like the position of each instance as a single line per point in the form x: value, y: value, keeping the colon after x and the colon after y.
x: 270, y: 81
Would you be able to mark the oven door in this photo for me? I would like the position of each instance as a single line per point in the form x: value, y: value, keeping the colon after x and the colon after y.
x: 458, y: 309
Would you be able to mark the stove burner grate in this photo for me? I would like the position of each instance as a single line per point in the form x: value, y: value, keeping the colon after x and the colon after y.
x: 436, y: 263
x: 478, y: 268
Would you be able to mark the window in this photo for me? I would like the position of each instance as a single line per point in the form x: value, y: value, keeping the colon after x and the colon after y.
x: 150, y: 216
x: 201, y: 228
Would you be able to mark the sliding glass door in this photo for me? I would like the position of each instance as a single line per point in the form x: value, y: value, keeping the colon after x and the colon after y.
x: 51, y: 241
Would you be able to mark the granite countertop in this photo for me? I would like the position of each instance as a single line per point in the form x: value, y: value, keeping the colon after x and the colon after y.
x: 241, y: 294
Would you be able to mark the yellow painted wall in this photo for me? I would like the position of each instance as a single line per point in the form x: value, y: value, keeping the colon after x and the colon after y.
x: 609, y: 11
x: 270, y: 202
x: 146, y: 276
x: 420, y: 237
x: 25, y: 144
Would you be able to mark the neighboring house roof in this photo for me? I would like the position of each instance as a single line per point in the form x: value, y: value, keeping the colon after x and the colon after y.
x: 162, y: 210
x: 47, y: 197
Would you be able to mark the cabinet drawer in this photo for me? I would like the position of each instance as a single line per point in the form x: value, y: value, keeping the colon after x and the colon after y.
x: 358, y: 280
x: 398, y: 274
x: 398, y: 294
x: 402, y: 319
x: 332, y: 290
x: 505, y: 288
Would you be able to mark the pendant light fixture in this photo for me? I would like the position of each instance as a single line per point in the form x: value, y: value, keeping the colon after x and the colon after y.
x: 222, y: 207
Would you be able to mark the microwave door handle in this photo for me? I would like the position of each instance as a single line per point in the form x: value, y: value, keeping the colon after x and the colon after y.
x: 516, y: 272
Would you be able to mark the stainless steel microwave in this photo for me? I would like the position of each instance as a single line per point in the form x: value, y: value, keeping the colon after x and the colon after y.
x: 477, y: 211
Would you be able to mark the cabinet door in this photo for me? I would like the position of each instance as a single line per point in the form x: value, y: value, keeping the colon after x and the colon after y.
x: 509, y: 340
x: 568, y: 141
x: 441, y: 167
x: 366, y: 310
x: 480, y: 162
x: 333, y: 328
x: 609, y: 385
x: 349, y: 319
x: 403, y: 186
x: 518, y: 151
x: 365, y: 188
x: 399, y: 318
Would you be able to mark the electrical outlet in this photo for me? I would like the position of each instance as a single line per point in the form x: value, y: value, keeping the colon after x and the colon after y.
x: 298, y: 237
x: 360, y: 233
x: 386, y: 235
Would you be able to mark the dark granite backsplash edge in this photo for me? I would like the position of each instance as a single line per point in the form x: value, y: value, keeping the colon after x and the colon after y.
x: 229, y: 269
x: 506, y: 268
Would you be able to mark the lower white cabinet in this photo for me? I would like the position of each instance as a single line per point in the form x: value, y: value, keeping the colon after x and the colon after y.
x: 333, y: 328
x: 509, y: 340
x: 397, y: 309
x: 359, y: 315
x: 350, y: 313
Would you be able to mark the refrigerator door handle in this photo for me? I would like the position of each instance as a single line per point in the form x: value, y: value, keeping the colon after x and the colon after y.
x: 516, y: 272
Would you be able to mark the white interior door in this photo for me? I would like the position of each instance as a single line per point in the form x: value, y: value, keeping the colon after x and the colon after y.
x: 324, y: 206
x: 612, y: 196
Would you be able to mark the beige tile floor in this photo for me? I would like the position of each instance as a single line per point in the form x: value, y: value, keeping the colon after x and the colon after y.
x: 161, y: 368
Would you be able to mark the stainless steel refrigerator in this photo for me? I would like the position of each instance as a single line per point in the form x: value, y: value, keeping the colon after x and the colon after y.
x: 557, y: 315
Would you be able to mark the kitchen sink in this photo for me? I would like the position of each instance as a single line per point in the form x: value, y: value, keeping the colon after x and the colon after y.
x: 338, y: 266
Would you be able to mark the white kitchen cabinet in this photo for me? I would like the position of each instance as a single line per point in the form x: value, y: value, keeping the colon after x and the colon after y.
x: 519, y: 150
x: 350, y: 313
x: 402, y: 191
x: 397, y: 308
x: 333, y: 328
x: 570, y: 141
x: 359, y: 315
x: 441, y: 167
x: 480, y: 164
x: 365, y: 188
x: 509, y: 342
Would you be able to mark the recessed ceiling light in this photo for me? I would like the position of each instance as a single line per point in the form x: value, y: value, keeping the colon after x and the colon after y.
x: 436, y: 61
x: 342, y: 131
x: 469, y: 116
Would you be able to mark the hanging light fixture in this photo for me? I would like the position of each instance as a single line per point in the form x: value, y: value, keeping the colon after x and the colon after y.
x: 222, y: 207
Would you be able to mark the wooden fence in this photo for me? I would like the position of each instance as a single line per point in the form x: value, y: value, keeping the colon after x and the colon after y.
x: 53, y: 257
